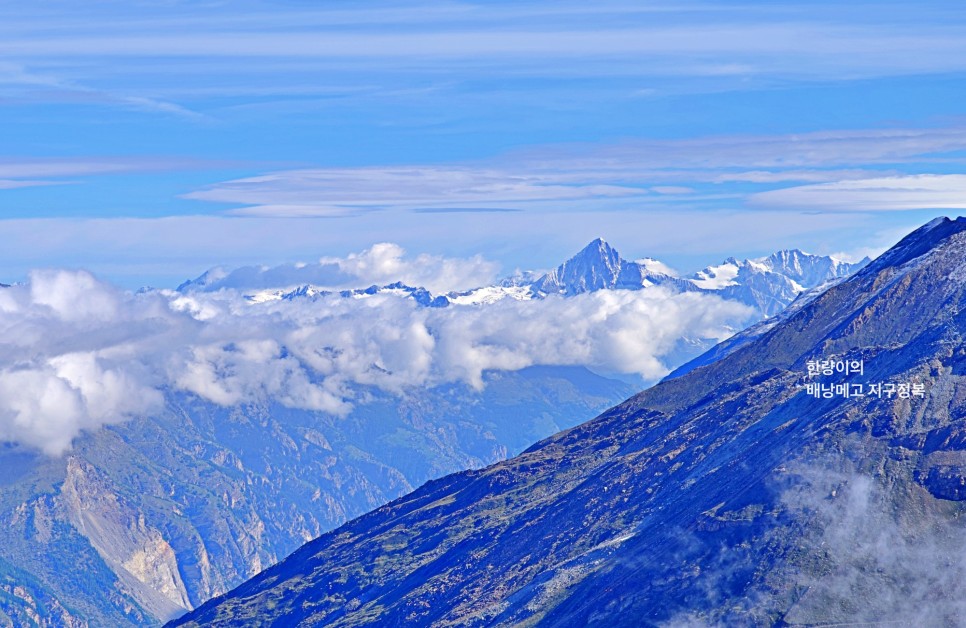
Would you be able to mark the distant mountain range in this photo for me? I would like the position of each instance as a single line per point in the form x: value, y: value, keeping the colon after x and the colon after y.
x: 757, y: 489
x: 144, y: 519
x: 767, y: 284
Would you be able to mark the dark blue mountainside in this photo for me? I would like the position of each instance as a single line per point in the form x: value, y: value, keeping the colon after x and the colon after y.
x: 743, y: 493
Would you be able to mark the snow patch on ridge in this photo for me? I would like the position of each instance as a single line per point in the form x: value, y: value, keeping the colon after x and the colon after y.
x: 716, y: 277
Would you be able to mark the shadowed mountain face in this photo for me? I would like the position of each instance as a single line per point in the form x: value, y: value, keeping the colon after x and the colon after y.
x: 732, y: 494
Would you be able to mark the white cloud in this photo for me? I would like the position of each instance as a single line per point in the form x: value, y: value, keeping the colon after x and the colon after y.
x: 896, y: 193
x: 694, y: 40
x: 78, y: 354
x: 39, y: 409
x: 382, y: 263
x: 232, y: 373
x: 386, y: 262
x: 31, y: 172
x: 59, y: 373
x: 73, y: 297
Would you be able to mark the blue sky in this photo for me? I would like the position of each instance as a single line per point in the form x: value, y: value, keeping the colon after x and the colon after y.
x: 147, y: 141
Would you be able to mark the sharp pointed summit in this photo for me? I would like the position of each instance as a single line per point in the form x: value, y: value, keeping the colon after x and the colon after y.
x: 598, y: 266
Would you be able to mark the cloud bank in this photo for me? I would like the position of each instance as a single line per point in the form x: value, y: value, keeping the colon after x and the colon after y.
x: 78, y: 353
x: 381, y: 263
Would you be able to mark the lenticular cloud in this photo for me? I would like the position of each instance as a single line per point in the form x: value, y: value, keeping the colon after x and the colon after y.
x: 78, y: 353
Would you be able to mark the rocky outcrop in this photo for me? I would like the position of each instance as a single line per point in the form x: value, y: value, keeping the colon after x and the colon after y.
x: 144, y: 562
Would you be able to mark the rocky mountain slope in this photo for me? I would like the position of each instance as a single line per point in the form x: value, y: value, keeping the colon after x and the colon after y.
x: 746, y: 492
x: 143, y: 520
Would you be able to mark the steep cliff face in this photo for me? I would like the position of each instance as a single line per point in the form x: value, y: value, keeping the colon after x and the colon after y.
x: 142, y: 559
x: 751, y: 491
x: 144, y: 520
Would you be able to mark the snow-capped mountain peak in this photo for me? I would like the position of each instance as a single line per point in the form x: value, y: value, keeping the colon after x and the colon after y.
x: 767, y: 284
x: 770, y: 283
x: 656, y: 266
x: 806, y: 268
x: 717, y: 277
x: 598, y: 266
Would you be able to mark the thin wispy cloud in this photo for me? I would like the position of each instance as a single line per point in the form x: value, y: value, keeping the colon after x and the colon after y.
x: 338, y: 191
x: 25, y: 168
x: 32, y: 172
x: 700, y: 171
x: 896, y: 193
x: 507, y: 32
x: 796, y: 176
x: 784, y: 152
x: 27, y: 85
x: 13, y: 184
x: 158, y: 46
